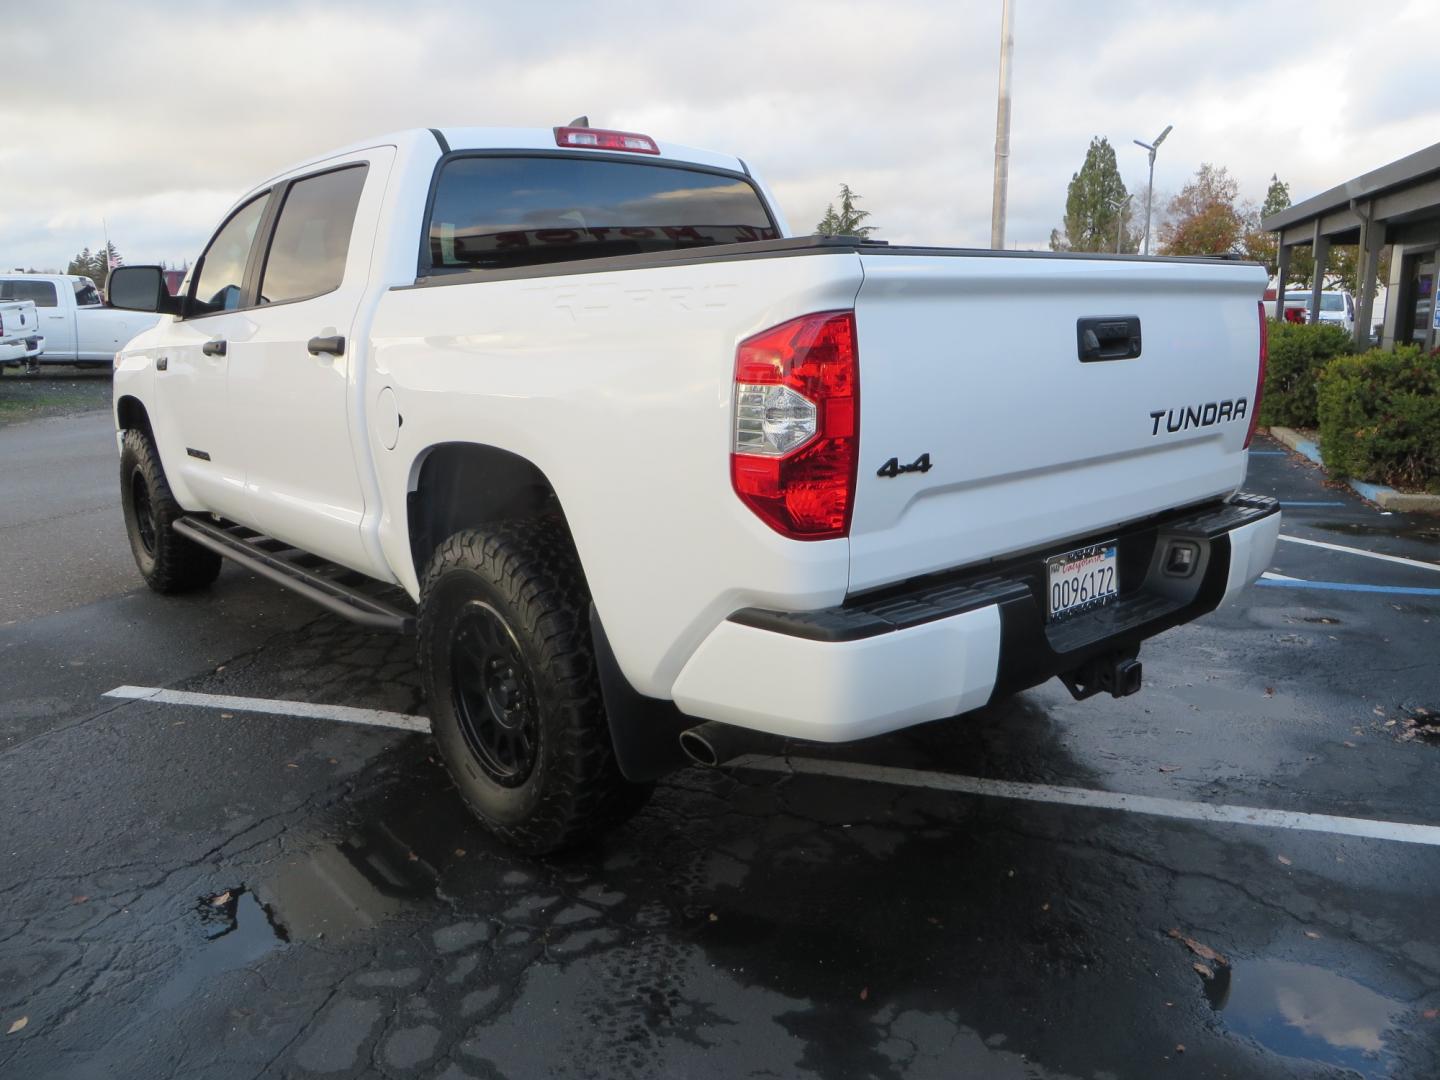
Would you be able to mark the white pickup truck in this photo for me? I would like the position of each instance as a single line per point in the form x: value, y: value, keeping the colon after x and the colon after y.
x: 77, y: 326
x: 649, y: 464
x: 20, y: 337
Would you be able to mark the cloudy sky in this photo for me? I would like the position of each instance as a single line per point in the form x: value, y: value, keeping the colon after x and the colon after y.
x: 155, y: 117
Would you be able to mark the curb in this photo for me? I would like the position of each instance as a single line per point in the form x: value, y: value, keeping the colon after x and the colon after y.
x: 1387, y: 498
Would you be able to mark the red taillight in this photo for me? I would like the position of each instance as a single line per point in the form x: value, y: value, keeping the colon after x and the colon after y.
x: 596, y: 139
x: 1260, y: 378
x: 797, y: 425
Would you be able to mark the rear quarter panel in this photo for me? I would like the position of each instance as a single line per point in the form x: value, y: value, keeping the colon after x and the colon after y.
x: 617, y: 386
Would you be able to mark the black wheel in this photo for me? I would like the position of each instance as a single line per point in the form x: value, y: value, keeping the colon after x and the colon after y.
x: 509, y: 673
x: 168, y: 562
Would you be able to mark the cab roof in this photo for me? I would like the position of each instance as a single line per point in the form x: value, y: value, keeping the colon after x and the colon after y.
x: 502, y: 138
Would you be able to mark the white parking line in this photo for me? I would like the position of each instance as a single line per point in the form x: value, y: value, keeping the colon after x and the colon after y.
x: 343, y: 714
x: 1361, y: 551
x: 1213, y: 813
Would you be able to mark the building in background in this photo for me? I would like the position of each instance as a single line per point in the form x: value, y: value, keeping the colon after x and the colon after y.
x: 1397, y: 204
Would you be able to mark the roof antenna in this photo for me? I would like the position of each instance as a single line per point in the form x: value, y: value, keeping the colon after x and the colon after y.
x: 579, y: 121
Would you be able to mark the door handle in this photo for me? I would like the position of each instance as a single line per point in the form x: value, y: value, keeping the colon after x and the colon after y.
x: 162, y: 364
x: 214, y: 348
x: 335, y: 346
x: 1116, y: 338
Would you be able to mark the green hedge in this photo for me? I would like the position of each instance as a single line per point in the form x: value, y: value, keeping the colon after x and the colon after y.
x: 1380, y: 418
x: 1298, y: 353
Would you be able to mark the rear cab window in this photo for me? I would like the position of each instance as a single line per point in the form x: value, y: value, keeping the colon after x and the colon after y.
x: 312, y: 236
x: 494, y: 212
x: 41, y: 292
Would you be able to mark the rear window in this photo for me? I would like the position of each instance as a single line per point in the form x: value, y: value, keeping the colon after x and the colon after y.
x: 1332, y: 302
x: 496, y: 212
x: 42, y: 292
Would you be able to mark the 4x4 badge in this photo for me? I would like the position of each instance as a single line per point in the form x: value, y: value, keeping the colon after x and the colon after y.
x: 893, y: 468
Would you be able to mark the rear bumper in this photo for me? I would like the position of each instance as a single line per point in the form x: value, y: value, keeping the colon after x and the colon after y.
x: 21, y: 348
x: 948, y: 643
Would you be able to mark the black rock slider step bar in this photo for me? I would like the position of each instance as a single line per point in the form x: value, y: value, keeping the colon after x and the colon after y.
x: 333, y: 587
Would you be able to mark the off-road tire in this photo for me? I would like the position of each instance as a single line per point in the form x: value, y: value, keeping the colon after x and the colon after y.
x: 525, y: 572
x: 168, y: 562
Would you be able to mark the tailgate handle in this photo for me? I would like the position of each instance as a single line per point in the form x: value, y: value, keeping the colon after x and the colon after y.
x: 1115, y: 337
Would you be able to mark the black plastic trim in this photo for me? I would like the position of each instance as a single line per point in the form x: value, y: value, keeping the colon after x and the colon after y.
x: 1014, y: 583
x: 784, y: 247
x: 440, y: 138
x: 1032, y: 652
x: 645, y: 731
x: 940, y: 600
x: 1096, y: 337
x: 333, y: 345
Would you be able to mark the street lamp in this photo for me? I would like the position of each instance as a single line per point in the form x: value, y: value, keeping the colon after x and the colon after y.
x: 1150, y: 190
x: 1119, y: 208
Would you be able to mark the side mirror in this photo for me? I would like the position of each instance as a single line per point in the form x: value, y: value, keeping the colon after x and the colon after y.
x: 140, y: 288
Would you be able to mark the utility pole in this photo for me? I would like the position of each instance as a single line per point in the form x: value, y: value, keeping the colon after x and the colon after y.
x: 1150, y: 189
x: 1120, y: 209
x: 1002, y: 126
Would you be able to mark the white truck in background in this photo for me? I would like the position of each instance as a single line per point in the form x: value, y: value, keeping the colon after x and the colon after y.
x: 20, y: 337
x: 658, y: 472
x: 77, y: 326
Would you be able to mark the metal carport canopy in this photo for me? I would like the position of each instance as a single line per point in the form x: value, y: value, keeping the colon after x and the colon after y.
x: 1402, y: 190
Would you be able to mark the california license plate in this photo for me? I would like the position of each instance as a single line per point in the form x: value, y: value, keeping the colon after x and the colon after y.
x: 1081, y: 580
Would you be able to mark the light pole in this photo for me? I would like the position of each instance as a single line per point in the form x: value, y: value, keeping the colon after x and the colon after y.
x: 1002, y: 127
x: 1119, y: 208
x: 1150, y: 189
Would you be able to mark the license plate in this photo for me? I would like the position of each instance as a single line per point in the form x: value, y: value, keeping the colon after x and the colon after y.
x: 1080, y: 580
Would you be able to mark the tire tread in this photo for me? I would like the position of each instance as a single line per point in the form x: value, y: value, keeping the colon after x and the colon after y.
x: 533, y: 563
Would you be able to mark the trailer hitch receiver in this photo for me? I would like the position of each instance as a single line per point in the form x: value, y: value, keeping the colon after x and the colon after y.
x: 1119, y: 673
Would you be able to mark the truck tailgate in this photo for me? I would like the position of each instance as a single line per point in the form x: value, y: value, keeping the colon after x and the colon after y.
x: 18, y: 319
x: 971, y: 375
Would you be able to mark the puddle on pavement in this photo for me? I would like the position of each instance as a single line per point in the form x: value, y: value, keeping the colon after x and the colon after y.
x: 1304, y: 1011
x: 331, y: 892
x: 400, y: 842
x: 380, y: 869
x: 237, y: 933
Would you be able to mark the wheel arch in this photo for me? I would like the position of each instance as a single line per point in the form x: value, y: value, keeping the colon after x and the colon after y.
x: 463, y: 485
x: 130, y: 412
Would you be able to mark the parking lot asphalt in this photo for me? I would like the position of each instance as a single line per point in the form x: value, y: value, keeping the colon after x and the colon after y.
x: 201, y: 888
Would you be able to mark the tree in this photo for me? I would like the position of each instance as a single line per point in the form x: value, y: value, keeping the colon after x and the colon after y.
x: 1094, y: 204
x: 1342, y: 268
x: 95, y: 265
x: 1261, y: 246
x: 1206, y: 218
x: 848, y: 222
